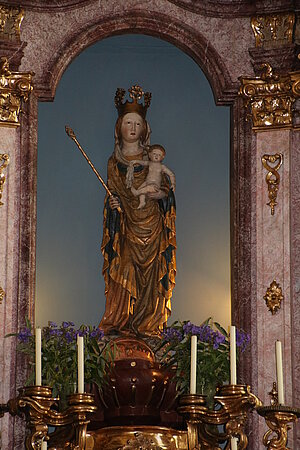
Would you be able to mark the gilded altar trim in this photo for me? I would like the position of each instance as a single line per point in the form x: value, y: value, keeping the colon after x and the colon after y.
x: 11, y: 18
x: 272, y: 177
x: 4, y: 161
x: 14, y: 87
x: 272, y: 30
x: 2, y: 295
x: 270, y: 97
x: 273, y: 297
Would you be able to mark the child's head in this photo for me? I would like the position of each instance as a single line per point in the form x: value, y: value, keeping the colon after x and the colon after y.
x: 156, y: 153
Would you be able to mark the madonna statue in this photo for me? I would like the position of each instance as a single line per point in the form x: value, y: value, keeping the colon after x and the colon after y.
x: 138, y: 244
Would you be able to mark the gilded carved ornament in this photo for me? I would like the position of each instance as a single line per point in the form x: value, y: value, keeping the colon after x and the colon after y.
x: 273, y: 297
x: 273, y: 29
x: 4, y: 161
x: 270, y: 97
x: 11, y: 18
x: 14, y: 87
x: 272, y: 177
x: 2, y: 295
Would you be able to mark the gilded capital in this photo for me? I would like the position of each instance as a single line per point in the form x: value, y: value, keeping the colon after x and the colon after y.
x: 11, y: 18
x: 14, y: 87
x: 270, y: 97
x: 273, y: 30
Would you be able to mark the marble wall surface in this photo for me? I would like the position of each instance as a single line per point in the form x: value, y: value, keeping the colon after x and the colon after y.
x: 218, y: 36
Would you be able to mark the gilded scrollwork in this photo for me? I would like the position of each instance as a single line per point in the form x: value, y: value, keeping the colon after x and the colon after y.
x: 278, y: 419
x: 11, y: 18
x: 140, y: 442
x: 14, y: 87
x: 270, y: 97
x: 2, y: 295
x: 273, y: 297
x: 4, y: 161
x: 273, y: 30
x: 272, y: 177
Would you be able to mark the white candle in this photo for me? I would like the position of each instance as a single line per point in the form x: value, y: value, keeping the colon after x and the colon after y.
x: 279, y: 371
x: 80, y: 353
x: 38, y: 357
x: 193, y: 378
x: 233, y: 443
x: 232, y: 355
x: 44, y: 445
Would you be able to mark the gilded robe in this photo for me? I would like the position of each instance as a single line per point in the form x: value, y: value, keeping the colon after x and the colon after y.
x: 139, y: 256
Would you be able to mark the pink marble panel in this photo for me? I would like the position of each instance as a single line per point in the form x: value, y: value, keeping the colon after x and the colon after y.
x: 295, y: 274
x: 9, y: 268
x: 273, y: 262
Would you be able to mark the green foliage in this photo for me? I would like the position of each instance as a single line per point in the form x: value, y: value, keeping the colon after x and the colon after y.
x: 59, y: 355
x: 213, y: 366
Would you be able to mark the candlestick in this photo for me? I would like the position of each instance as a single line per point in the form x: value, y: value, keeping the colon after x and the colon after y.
x: 279, y: 371
x: 233, y: 443
x: 80, y: 353
x: 38, y: 357
x: 44, y: 445
x: 193, y: 378
x: 232, y: 355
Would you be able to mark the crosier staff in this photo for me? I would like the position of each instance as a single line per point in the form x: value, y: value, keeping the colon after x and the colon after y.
x: 72, y: 135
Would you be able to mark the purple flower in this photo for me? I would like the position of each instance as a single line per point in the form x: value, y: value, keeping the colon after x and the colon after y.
x: 242, y: 339
x: 69, y: 337
x: 24, y: 335
x: 218, y: 339
x: 172, y: 334
x: 189, y: 328
x: 67, y: 324
x: 52, y: 324
x: 97, y: 333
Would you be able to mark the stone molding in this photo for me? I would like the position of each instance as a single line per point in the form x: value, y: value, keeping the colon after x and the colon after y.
x: 182, y: 36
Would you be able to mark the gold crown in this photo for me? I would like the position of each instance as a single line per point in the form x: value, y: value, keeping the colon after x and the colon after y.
x: 136, y: 93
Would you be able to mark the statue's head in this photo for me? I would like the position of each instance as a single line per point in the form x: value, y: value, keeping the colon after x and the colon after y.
x: 131, y: 127
x: 131, y: 124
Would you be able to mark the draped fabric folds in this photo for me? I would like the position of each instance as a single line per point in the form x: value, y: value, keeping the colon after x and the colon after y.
x: 139, y: 256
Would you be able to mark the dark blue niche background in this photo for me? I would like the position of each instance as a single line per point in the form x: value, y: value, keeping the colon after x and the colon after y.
x: 195, y: 133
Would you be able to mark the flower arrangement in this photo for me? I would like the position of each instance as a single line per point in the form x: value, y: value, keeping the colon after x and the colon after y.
x: 213, y: 366
x: 59, y: 355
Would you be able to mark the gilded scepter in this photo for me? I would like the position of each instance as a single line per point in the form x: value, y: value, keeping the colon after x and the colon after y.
x: 72, y: 135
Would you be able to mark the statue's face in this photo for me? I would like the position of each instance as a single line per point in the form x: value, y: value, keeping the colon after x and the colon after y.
x: 132, y: 127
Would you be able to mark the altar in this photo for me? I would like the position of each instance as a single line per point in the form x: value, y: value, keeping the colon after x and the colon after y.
x: 249, y: 53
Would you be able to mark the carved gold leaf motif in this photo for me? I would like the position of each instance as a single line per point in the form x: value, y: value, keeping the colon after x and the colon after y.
x: 10, y: 22
x: 273, y: 30
x: 4, y: 161
x: 2, y: 295
x: 272, y: 177
x: 273, y: 297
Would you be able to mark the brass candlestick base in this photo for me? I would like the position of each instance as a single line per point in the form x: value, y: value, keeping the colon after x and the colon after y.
x: 277, y: 418
x: 41, y: 410
x: 234, y: 401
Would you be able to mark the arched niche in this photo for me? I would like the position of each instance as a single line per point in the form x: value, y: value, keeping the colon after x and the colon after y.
x: 49, y: 69
x: 48, y: 73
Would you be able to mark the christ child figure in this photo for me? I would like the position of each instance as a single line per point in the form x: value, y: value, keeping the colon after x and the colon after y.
x: 152, y: 184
